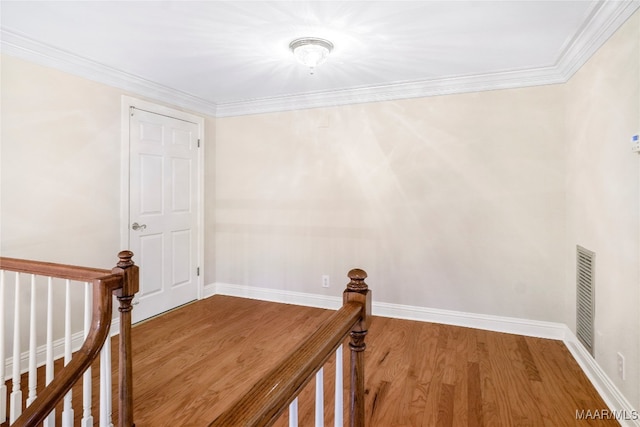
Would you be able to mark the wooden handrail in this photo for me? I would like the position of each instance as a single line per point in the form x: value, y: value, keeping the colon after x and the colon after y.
x: 61, y: 271
x: 270, y: 396
x: 122, y: 282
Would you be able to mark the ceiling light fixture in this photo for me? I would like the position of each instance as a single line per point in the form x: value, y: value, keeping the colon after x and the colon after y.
x: 311, y: 51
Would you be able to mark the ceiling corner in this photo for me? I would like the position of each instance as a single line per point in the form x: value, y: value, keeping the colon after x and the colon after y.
x: 604, y: 20
x: 22, y: 47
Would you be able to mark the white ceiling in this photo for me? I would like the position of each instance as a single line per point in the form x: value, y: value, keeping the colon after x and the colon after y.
x: 232, y: 57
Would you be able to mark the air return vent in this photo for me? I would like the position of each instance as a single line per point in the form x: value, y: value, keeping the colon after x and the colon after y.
x: 585, y: 296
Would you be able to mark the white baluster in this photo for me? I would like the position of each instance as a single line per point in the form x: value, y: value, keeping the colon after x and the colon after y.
x: 320, y: 398
x: 33, y: 374
x: 3, y: 387
x: 339, y: 410
x: 87, y: 418
x: 293, y: 413
x: 16, y: 392
x: 50, y: 421
x: 105, y: 384
x: 67, y: 411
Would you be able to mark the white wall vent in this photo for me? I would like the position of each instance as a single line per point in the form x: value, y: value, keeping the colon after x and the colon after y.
x: 585, y: 297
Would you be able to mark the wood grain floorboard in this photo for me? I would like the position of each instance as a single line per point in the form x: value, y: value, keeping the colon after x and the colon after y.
x: 474, y: 396
x: 192, y: 363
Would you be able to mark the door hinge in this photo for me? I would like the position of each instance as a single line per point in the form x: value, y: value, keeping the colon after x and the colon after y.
x: 198, y: 143
x: 198, y: 271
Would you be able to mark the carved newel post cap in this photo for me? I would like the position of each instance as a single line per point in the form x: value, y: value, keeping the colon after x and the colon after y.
x: 125, y: 259
x: 357, y: 283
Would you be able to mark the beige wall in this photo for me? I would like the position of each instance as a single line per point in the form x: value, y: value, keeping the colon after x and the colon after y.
x: 453, y: 202
x: 60, y: 166
x: 603, y: 196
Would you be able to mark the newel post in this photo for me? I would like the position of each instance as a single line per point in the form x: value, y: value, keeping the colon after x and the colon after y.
x: 125, y: 295
x: 358, y: 291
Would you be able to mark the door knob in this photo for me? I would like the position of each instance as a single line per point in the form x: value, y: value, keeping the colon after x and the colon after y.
x: 135, y: 226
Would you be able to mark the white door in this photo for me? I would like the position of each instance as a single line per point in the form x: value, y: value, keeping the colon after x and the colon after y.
x: 163, y: 210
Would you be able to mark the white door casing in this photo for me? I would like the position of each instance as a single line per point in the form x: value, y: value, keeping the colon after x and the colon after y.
x: 162, y: 223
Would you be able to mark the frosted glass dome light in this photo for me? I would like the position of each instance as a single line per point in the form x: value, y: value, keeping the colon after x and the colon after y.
x: 310, y: 51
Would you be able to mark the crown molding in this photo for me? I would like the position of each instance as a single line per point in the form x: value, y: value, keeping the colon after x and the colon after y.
x: 604, y: 19
x: 393, y: 91
x: 22, y: 47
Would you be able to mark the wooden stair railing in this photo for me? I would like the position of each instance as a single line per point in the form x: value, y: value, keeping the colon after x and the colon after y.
x: 270, y: 396
x: 121, y: 281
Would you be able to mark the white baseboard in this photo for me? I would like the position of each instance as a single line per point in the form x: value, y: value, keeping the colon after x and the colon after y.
x: 41, y: 353
x: 274, y: 295
x: 77, y: 339
x: 626, y: 415
x: 624, y: 411
x: 511, y: 325
x: 209, y: 290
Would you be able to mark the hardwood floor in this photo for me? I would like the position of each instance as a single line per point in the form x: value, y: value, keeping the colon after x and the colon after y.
x: 191, y: 363
x: 418, y: 374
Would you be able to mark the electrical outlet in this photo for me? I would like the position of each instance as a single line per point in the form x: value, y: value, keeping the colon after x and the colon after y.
x: 621, y: 372
x: 325, y: 281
